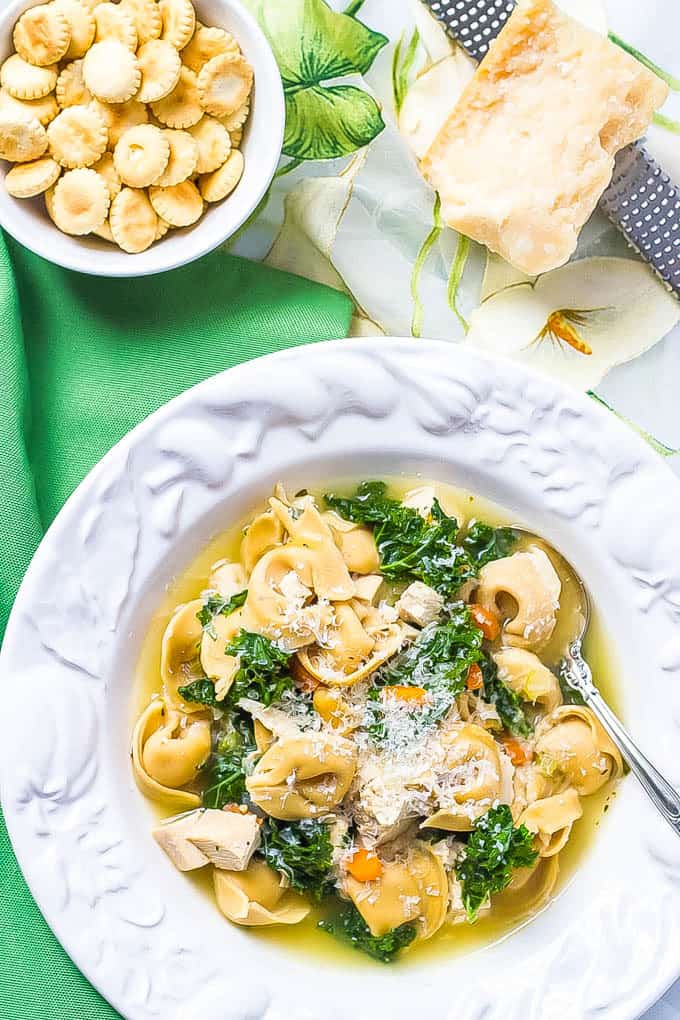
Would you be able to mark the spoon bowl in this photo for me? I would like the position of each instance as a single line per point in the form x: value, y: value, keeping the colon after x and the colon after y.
x: 574, y: 601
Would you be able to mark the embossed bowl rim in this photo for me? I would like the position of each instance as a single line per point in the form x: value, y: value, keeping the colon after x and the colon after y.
x: 564, y: 466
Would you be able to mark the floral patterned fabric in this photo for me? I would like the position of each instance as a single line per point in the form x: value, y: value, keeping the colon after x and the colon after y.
x: 366, y: 85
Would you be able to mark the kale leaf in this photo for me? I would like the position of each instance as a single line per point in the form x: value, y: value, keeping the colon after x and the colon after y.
x: 350, y: 926
x: 263, y: 673
x: 409, y: 545
x: 483, y: 543
x: 369, y: 505
x: 302, y: 850
x: 508, y: 703
x: 438, y: 661
x: 430, y: 549
x: 224, y: 773
x: 201, y: 691
x: 495, y: 848
x: 225, y: 780
x: 216, y: 605
x: 441, y: 654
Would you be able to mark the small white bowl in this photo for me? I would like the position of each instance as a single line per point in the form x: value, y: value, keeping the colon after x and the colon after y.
x: 27, y: 219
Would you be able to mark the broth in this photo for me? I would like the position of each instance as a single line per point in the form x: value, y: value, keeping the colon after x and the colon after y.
x: 450, y: 939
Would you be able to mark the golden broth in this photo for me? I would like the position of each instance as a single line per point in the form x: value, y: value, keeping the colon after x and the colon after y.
x: 450, y: 939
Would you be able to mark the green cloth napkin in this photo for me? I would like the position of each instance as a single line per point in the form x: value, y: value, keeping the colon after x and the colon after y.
x: 83, y: 360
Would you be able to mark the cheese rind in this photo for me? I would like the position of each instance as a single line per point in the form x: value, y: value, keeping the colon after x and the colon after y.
x: 529, y: 148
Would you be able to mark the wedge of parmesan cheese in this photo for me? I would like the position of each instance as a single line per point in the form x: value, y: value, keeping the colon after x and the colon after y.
x: 529, y: 148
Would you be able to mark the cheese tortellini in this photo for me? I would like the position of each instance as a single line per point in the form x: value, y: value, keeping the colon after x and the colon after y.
x: 330, y: 577
x: 180, y: 652
x: 524, y: 673
x: 303, y: 777
x: 531, y: 784
x: 262, y: 535
x: 412, y: 888
x: 228, y: 579
x: 552, y: 819
x: 474, y: 778
x: 168, y: 749
x: 530, y: 583
x: 269, y: 724
x: 356, y: 544
x: 530, y: 888
x: 364, y: 704
x: 217, y: 664
x: 571, y: 743
x: 353, y: 649
x: 258, y: 896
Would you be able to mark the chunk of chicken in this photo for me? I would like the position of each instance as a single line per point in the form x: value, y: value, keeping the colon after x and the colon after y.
x: 227, y: 839
x: 422, y: 499
x: 172, y: 837
x: 420, y: 604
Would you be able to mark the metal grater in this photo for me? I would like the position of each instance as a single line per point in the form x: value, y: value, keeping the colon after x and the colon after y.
x: 472, y: 23
x: 641, y: 199
x: 644, y: 204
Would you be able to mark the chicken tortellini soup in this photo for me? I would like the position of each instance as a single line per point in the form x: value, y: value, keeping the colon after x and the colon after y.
x: 356, y: 722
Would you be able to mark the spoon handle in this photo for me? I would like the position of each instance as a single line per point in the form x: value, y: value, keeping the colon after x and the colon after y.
x: 665, y: 798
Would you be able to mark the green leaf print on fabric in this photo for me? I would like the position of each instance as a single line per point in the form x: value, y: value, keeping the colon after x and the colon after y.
x: 327, y: 122
x: 456, y: 275
x: 312, y: 45
x: 661, y: 448
x: 421, y: 258
x: 665, y: 122
x: 401, y: 68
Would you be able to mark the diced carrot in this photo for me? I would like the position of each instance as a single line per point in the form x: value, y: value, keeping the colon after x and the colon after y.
x: 365, y: 866
x: 330, y: 705
x: 475, y: 678
x: 236, y: 809
x: 407, y: 693
x: 519, y: 753
x: 487, y: 621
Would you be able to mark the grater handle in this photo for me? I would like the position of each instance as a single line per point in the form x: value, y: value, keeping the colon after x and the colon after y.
x: 644, y: 204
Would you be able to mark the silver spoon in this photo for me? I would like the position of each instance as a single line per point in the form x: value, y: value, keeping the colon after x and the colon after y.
x: 577, y: 675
